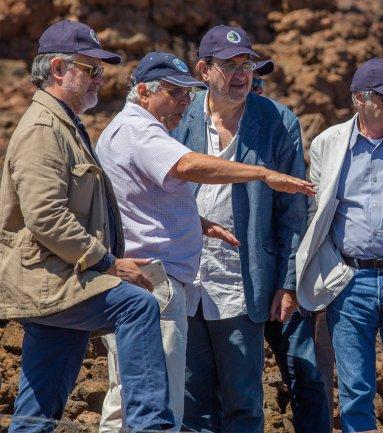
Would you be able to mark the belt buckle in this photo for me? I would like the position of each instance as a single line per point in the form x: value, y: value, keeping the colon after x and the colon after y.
x: 378, y: 263
x: 356, y: 263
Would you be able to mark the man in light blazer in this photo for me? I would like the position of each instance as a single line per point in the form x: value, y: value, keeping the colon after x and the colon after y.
x: 340, y: 260
x: 237, y: 291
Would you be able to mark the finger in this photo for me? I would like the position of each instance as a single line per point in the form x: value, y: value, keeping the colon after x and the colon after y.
x: 273, y: 309
x: 232, y: 240
x: 285, y: 314
x: 308, y: 190
x: 141, y: 262
x: 146, y: 283
x: 228, y: 237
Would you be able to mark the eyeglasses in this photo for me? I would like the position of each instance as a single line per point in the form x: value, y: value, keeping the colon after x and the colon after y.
x: 231, y: 68
x: 92, y: 70
x: 179, y: 93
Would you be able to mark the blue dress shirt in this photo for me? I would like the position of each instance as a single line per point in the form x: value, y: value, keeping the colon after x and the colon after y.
x: 357, y: 228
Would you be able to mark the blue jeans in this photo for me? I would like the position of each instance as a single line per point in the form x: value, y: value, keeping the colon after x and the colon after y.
x: 224, y: 363
x: 354, y: 318
x: 293, y: 346
x: 54, y: 347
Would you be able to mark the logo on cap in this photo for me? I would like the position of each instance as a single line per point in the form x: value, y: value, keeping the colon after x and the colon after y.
x: 93, y: 35
x: 180, y: 65
x: 233, y: 37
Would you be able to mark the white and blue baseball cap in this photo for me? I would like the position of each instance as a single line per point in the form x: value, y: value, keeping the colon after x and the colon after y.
x: 167, y: 67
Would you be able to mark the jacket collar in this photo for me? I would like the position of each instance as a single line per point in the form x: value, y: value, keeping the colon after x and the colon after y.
x: 48, y: 101
x: 197, y: 123
x: 44, y: 98
x: 250, y: 126
x: 248, y: 131
x: 339, y: 145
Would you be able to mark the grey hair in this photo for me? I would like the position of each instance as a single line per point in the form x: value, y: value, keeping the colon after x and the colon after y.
x: 133, y: 95
x: 41, y: 68
x: 367, y: 94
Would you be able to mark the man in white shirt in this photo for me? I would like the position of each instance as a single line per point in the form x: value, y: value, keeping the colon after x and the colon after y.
x: 149, y: 171
x: 238, y: 289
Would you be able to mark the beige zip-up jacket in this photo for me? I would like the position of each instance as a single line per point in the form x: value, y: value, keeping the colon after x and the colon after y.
x: 53, y: 216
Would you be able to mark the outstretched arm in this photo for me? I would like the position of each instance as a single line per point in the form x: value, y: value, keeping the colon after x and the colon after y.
x: 200, y: 168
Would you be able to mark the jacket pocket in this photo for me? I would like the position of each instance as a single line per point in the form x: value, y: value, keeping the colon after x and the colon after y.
x: 326, y: 270
x: 32, y: 253
x: 330, y: 264
x: 270, y: 246
x: 83, y: 177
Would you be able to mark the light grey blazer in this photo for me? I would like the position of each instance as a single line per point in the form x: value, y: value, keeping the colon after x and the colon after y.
x: 320, y: 269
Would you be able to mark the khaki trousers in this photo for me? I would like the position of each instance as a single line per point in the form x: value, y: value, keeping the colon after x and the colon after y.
x: 172, y: 300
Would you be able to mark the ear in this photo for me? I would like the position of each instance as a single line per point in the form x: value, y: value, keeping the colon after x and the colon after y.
x: 57, y: 68
x: 203, y: 69
x: 358, y: 99
x: 143, y: 92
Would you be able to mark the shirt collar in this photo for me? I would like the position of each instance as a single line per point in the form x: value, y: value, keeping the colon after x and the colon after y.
x: 356, y: 133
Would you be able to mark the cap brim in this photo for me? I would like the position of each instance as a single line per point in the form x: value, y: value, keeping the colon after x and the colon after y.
x: 230, y: 52
x: 105, y: 56
x: 357, y: 88
x: 184, y: 80
x: 265, y: 67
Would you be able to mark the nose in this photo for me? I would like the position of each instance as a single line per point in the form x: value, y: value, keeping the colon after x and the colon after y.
x: 186, y: 99
x: 239, y: 71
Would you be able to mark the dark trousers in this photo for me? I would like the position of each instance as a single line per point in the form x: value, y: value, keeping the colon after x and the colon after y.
x: 224, y: 364
x: 54, y: 347
x: 293, y: 346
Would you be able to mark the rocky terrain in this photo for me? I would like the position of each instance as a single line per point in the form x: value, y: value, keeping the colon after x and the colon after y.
x: 316, y: 45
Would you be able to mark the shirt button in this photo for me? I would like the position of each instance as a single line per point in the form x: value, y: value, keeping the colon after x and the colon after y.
x: 374, y: 204
x: 375, y: 232
x: 374, y: 179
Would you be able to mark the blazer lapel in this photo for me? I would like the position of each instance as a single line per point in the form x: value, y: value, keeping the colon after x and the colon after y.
x: 337, y: 152
x: 250, y: 127
x: 197, y: 125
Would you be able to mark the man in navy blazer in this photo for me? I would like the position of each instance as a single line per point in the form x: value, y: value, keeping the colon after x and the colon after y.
x: 237, y: 291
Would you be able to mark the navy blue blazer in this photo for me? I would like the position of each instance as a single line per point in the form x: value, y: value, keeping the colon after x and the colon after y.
x: 269, y: 224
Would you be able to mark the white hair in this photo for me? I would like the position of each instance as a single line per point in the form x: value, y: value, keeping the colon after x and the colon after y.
x: 366, y: 94
x: 133, y: 95
x: 41, y: 68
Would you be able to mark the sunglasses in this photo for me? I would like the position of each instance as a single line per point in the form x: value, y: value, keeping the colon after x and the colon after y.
x: 179, y: 93
x: 92, y: 70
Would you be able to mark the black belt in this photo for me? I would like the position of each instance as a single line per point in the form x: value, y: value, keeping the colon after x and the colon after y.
x: 363, y: 263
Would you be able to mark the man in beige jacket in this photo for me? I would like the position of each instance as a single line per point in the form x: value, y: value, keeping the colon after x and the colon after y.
x: 60, y: 234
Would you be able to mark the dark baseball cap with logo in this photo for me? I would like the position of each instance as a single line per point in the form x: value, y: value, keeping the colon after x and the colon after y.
x: 369, y: 76
x: 73, y: 37
x: 224, y: 42
x: 164, y: 66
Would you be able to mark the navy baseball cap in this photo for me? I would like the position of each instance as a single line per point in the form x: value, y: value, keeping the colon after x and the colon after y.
x: 265, y: 67
x: 164, y: 66
x: 224, y: 42
x: 369, y: 76
x: 74, y: 37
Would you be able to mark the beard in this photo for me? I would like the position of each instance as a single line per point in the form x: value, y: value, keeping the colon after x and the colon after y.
x: 82, y: 99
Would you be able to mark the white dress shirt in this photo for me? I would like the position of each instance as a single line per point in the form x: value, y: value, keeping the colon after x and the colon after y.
x: 219, y: 281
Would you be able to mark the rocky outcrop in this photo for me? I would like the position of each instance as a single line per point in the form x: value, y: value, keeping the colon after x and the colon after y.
x: 316, y: 45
